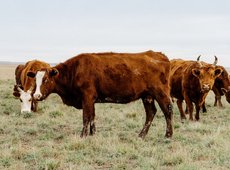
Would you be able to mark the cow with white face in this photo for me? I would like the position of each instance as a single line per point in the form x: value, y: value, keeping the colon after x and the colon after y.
x: 25, y: 85
x: 25, y: 98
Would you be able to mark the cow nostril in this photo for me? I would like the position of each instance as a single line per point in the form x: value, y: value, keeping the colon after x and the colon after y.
x: 206, y: 86
x: 37, y: 96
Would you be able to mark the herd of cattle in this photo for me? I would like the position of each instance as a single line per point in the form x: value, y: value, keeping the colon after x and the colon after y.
x: 91, y: 78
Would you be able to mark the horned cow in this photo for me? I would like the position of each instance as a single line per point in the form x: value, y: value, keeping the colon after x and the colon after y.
x: 191, y: 81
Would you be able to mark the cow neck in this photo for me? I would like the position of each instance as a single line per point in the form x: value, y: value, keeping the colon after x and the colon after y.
x: 225, y: 79
x: 61, y: 81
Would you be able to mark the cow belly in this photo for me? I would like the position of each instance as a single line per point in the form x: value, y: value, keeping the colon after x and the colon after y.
x: 117, y: 99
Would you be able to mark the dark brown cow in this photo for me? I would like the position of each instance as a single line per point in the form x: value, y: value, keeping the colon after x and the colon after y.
x: 25, y: 85
x: 191, y: 81
x: 93, y: 78
x: 221, y: 87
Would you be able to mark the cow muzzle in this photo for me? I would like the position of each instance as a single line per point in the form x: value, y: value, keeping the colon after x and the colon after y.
x: 37, y: 96
x: 26, y: 111
x: 206, y: 88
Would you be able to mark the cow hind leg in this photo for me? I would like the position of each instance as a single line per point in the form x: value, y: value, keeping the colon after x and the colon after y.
x: 166, y: 106
x: 150, y: 110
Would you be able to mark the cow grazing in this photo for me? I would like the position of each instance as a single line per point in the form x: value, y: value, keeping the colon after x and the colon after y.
x: 191, y: 81
x: 93, y: 78
x: 25, y: 85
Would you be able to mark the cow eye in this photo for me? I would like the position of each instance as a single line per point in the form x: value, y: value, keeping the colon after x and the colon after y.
x: 20, y: 100
x: 30, y: 100
x: 45, y: 80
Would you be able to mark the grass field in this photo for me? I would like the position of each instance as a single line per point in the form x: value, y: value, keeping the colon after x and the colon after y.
x: 50, y: 138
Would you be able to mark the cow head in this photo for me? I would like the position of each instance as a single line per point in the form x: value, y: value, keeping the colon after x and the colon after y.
x: 45, y: 83
x: 226, y: 93
x: 206, y: 73
x: 25, y: 98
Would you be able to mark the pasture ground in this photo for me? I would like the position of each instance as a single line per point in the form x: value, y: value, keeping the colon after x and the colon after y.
x: 50, y: 138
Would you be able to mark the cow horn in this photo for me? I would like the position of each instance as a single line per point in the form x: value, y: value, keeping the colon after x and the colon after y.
x: 19, y: 88
x: 215, y: 62
x: 30, y: 90
x: 198, y: 60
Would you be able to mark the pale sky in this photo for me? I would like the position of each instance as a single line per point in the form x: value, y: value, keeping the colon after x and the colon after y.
x: 55, y: 30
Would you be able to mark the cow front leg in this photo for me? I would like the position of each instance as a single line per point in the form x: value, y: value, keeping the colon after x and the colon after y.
x: 88, y: 115
x: 180, y: 107
x: 219, y: 101
x: 189, y: 106
x: 150, y: 110
x: 197, y: 116
x: 204, y: 107
x: 34, y: 105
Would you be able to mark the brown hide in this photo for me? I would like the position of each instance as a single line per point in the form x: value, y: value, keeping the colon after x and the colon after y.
x: 18, y: 72
x: 221, y: 87
x: 191, y: 81
x: 112, y: 77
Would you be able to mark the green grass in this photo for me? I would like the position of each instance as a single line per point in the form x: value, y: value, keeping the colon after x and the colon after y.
x: 50, y: 138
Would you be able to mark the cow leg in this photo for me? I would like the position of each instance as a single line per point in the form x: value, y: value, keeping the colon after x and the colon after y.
x: 150, y: 110
x: 88, y: 114
x: 197, y: 116
x: 216, y: 98
x: 92, y: 124
x: 34, y: 105
x: 180, y: 107
x: 166, y: 106
x: 189, y: 106
x: 204, y: 108
x: 219, y: 101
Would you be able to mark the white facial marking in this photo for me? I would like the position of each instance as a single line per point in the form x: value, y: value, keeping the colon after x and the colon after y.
x: 39, y: 77
x: 26, y: 101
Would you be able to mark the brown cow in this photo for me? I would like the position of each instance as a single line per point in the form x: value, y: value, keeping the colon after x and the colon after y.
x: 221, y: 87
x: 93, y: 78
x: 191, y: 81
x: 25, y: 85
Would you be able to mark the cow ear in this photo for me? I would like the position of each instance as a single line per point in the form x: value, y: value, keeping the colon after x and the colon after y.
x: 196, y: 72
x: 224, y: 90
x: 218, y: 72
x: 16, y: 94
x: 53, y: 72
x: 31, y: 74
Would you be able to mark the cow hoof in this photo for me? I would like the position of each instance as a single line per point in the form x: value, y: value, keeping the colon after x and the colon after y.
x: 183, y: 120
x: 168, y: 134
x: 92, y: 130
x: 197, y: 119
x: 83, y: 134
x: 142, y: 135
